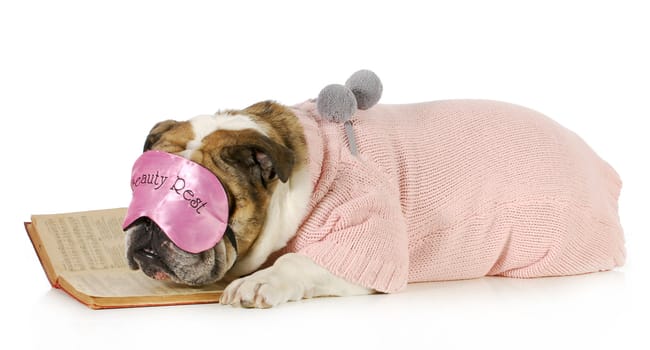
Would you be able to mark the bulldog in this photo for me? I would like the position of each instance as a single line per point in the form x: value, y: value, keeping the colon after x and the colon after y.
x: 434, y: 191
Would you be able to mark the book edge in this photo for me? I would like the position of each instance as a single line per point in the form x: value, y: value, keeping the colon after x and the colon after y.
x: 101, y: 302
x: 41, y: 253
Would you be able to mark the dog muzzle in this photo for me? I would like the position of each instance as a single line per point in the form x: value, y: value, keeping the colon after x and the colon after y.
x: 186, y: 200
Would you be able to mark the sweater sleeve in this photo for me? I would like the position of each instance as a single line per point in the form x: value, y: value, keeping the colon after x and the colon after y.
x: 366, y: 242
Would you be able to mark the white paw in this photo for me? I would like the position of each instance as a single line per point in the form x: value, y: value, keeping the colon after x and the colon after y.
x: 262, y: 289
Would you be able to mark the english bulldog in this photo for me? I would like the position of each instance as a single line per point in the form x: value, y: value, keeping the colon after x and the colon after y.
x: 434, y: 191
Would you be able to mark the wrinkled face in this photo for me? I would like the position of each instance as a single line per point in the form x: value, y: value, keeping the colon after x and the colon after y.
x: 248, y: 155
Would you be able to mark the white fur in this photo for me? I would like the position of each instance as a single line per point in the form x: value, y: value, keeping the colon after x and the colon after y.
x: 292, y: 277
x: 204, y: 125
x: 285, y: 212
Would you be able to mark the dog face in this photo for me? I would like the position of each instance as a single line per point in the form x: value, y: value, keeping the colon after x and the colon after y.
x: 251, y: 152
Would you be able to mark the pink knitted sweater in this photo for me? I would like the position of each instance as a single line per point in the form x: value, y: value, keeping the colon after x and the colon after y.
x: 454, y: 190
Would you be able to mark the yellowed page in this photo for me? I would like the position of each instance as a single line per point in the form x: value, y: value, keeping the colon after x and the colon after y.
x: 128, y: 283
x: 83, y: 241
x: 86, y: 250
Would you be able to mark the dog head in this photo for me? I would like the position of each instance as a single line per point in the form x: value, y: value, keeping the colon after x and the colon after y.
x: 251, y: 152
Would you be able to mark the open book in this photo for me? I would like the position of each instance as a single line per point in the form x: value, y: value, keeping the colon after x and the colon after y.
x: 83, y: 253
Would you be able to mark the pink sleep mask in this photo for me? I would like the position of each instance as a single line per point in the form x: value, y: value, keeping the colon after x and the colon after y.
x: 186, y: 200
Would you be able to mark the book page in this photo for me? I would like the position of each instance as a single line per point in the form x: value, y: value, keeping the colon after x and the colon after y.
x: 87, y: 253
x: 87, y: 250
x: 128, y: 283
x: 83, y: 241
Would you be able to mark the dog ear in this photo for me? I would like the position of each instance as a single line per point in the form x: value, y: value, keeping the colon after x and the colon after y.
x: 265, y: 109
x: 259, y: 157
x: 156, y: 132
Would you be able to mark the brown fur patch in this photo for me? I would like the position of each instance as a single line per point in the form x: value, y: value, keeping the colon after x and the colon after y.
x: 169, y: 136
x: 285, y: 126
x: 226, y: 153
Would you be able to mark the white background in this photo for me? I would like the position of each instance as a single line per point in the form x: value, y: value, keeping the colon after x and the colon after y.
x: 81, y: 84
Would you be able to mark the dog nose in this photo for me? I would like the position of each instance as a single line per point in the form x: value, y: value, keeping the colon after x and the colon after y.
x: 144, y: 239
x: 138, y: 237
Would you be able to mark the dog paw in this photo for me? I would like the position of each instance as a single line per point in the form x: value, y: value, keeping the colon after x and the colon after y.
x: 263, y: 289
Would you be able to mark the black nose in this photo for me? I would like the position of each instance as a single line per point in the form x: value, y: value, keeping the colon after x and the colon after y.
x: 145, y: 237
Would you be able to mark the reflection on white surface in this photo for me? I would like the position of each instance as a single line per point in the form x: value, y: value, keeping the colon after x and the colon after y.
x: 576, y: 310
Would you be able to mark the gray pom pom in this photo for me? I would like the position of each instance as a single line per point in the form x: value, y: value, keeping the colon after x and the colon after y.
x: 336, y: 103
x: 366, y: 87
